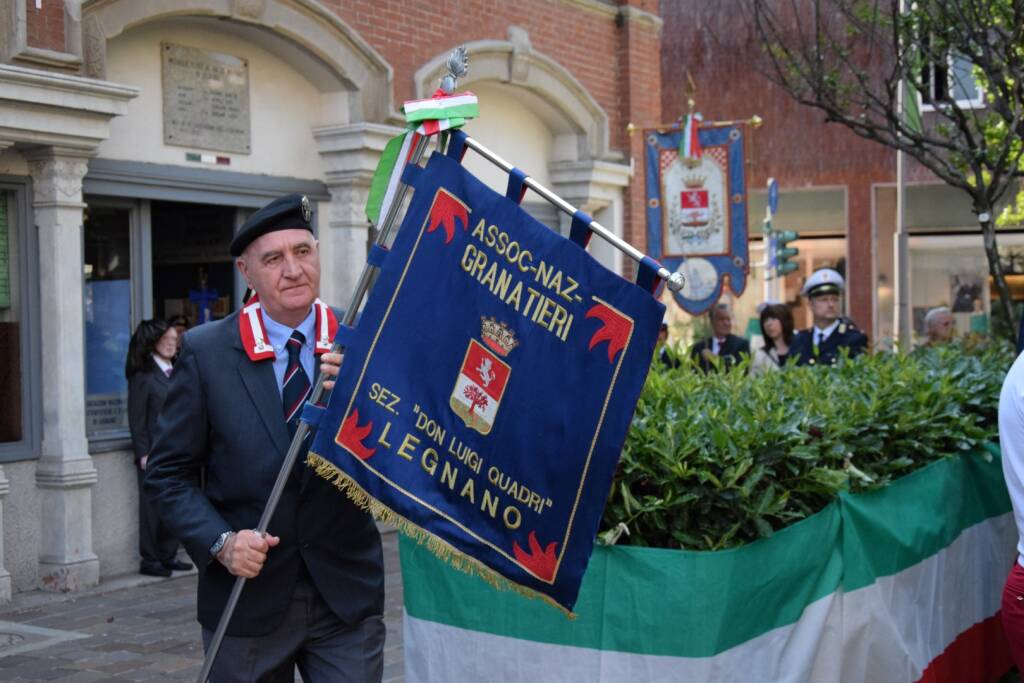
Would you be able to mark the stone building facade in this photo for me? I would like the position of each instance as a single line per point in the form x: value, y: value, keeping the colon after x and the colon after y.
x: 112, y: 212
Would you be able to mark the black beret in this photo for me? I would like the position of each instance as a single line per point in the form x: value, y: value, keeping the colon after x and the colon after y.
x: 284, y: 213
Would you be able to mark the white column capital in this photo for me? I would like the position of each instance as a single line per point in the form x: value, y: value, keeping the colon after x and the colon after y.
x: 57, y: 176
x: 594, y: 184
x: 352, y: 150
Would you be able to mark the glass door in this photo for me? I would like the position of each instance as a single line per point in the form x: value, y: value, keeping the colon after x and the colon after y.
x: 108, y: 305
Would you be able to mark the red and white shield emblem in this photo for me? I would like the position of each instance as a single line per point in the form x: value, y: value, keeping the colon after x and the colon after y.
x: 694, y: 204
x: 479, y: 388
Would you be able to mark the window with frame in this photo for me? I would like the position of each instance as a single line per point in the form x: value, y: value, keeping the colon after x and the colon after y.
x: 950, y: 80
x: 19, y: 423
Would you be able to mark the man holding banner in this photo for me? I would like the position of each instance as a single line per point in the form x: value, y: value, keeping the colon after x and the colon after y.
x: 315, y: 591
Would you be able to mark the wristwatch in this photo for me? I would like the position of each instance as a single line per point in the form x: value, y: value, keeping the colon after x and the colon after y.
x: 218, y: 545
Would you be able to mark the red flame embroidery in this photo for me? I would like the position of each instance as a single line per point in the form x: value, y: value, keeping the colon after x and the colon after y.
x: 615, y: 329
x: 445, y: 209
x: 540, y: 562
x: 351, y: 436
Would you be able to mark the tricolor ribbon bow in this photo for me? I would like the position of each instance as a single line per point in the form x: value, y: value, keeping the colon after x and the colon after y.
x: 438, y: 113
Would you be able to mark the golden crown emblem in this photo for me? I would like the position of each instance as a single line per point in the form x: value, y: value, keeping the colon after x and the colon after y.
x: 694, y: 181
x: 498, y: 336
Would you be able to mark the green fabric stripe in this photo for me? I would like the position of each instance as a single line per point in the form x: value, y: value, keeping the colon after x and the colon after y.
x: 698, y: 604
x: 693, y: 591
x: 888, y: 530
x: 911, y: 111
x: 381, y: 176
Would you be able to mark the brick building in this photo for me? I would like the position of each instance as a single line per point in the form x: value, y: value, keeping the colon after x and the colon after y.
x: 118, y: 200
x: 836, y: 189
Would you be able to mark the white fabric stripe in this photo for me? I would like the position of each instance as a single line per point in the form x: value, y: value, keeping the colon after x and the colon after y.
x: 396, y: 176
x: 438, y: 103
x: 323, y: 339
x: 253, y: 314
x: 967, y: 580
x: 878, y: 633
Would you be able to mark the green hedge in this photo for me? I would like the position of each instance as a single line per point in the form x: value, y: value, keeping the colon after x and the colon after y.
x: 718, y: 460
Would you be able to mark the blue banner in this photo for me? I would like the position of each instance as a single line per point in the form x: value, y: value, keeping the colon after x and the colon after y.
x: 697, y: 212
x: 486, y: 392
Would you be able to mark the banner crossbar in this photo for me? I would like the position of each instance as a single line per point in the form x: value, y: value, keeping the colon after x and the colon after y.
x: 674, y: 281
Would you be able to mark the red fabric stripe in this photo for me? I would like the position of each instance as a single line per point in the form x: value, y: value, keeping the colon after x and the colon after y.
x: 980, y: 654
x: 288, y: 377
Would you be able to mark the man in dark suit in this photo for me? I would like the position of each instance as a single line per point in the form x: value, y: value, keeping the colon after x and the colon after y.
x: 315, y: 593
x: 822, y: 344
x: 722, y: 344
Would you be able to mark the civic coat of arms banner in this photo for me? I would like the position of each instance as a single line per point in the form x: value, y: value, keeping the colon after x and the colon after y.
x: 697, y: 209
x: 487, y: 389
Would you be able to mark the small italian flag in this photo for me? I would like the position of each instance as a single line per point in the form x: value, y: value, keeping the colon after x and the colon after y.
x: 441, y: 106
x: 899, y: 584
x: 689, y: 142
x: 438, y: 113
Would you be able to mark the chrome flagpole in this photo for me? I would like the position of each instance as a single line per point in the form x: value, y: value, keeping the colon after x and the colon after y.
x: 673, y: 280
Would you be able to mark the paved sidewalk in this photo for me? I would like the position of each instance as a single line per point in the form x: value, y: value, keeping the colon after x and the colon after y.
x: 137, y: 629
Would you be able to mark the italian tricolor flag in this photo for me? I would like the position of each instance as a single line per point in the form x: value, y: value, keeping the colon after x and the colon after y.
x: 900, y: 584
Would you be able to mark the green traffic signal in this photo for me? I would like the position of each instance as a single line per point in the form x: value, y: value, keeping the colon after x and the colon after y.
x: 783, y: 254
x: 787, y: 267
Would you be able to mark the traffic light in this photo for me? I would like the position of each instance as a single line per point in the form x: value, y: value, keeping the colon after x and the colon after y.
x: 783, y: 254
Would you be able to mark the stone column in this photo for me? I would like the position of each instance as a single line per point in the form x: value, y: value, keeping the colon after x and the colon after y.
x: 65, y: 473
x: 5, y: 576
x: 350, y: 154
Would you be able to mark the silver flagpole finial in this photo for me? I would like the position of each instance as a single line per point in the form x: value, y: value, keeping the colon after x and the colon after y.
x: 457, y: 66
x: 676, y: 281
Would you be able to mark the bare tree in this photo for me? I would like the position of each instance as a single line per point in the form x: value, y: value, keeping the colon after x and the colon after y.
x: 848, y: 58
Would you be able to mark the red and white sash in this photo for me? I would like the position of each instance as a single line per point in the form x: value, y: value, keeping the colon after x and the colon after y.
x: 254, y: 332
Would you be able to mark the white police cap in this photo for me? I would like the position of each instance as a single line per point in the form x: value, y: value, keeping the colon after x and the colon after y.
x: 824, y: 281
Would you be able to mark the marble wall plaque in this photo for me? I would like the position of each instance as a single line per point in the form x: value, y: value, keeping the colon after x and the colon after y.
x: 205, y: 99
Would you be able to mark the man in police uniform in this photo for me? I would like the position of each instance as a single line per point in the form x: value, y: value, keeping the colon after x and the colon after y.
x: 315, y: 591
x: 822, y: 343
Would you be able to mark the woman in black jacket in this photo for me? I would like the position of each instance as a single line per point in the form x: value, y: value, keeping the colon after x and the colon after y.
x: 148, y: 369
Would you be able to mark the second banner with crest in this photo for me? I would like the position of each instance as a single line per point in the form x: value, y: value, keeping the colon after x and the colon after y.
x: 697, y: 209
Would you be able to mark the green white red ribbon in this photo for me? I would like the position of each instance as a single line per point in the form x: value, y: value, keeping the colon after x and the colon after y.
x: 689, y: 142
x: 430, y: 116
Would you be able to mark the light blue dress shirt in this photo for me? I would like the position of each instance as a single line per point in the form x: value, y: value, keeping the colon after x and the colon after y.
x: 278, y: 336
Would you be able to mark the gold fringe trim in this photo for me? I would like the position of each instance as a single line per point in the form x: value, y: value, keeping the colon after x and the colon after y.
x: 452, y: 556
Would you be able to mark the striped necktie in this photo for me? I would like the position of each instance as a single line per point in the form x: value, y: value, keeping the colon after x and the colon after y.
x: 296, y: 386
